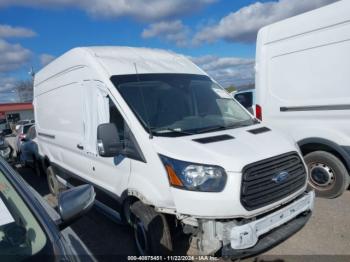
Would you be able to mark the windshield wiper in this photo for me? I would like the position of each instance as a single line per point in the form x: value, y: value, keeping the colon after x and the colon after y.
x: 213, y: 128
x: 222, y: 127
x: 174, y: 130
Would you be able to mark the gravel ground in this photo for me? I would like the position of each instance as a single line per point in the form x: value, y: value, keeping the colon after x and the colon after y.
x: 325, y: 238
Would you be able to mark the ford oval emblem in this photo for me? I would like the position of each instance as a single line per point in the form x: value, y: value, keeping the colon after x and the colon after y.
x: 280, y: 177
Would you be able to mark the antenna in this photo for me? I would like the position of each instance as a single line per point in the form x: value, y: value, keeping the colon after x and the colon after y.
x: 31, y: 72
x: 144, y: 105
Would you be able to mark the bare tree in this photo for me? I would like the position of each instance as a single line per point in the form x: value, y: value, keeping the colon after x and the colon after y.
x: 24, y: 90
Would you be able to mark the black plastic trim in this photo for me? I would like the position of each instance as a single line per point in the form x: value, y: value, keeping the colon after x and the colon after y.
x: 271, y: 192
x: 347, y: 149
x: 47, y: 135
x: 259, y: 130
x: 344, y: 151
x: 314, y: 108
x: 212, y: 139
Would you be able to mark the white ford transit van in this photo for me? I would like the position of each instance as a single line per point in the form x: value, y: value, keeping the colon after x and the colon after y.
x: 169, y: 149
x: 302, y: 88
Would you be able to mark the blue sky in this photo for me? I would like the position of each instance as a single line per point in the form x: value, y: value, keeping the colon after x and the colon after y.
x: 218, y: 35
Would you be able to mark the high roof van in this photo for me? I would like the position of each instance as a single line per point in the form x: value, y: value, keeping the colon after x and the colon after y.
x: 302, y: 88
x: 168, y: 149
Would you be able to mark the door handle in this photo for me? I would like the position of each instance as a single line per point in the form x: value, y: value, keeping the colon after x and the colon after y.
x: 80, y: 146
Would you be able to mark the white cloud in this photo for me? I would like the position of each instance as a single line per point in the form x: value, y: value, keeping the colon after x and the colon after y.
x: 7, y: 84
x: 13, y: 56
x: 149, y: 10
x: 7, y: 31
x: 173, y: 31
x: 46, y: 59
x: 227, y: 70
x: 7, y: 89
x: 243, y: 25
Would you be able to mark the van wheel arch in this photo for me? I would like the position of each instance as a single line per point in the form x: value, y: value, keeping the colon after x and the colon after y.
x: 126, y: 212
x: 309, y: 145
x: 315, y: 151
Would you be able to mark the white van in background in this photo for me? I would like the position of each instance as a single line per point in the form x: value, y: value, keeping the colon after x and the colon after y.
x: 303, y: 88
x: 170, y: 150
x: 246, y: 98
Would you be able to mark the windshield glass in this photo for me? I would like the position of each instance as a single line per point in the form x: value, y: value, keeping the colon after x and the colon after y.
x: 20, y: 234
x: 180, y: 104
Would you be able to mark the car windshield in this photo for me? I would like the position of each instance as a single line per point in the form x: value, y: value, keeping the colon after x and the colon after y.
x: 180, y: 104
x: 20, y: 234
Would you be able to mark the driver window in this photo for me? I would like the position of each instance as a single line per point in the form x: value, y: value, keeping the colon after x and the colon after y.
x: 116, y: 118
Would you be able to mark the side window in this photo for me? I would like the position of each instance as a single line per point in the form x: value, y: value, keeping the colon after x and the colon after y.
x: 116, y: 118
x: 132, y: 149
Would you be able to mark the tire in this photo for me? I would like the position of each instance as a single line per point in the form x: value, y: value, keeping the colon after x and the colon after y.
x: 151, y: 230
x: 55, y: 186
x: 327, y: 174
x: 37, y: 167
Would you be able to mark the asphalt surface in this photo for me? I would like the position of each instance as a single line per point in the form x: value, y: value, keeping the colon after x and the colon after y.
x: 325, y: 238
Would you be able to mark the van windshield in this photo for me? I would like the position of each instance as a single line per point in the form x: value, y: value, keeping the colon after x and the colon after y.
x: 180, y: 104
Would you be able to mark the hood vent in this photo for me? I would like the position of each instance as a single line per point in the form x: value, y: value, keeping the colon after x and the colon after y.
x: 259, y: 130
x: 213, y: 139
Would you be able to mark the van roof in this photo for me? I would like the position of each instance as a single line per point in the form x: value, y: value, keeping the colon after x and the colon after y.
x: 120, y: 60
x: 317, y: 19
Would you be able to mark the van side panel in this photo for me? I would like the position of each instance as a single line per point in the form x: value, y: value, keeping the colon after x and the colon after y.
x: 303, y: 79
x: 61, y: 115
x: 60, y: 120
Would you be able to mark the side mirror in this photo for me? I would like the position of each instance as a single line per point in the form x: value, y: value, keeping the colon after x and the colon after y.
x: 108, y: 143
x: 245, y: 99
x: 74, y: 203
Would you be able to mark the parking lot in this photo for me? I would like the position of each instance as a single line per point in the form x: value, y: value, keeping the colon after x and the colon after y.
x: 325, y: 238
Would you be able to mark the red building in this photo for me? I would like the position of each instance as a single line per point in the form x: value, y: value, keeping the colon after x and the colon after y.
x: 12, y: 112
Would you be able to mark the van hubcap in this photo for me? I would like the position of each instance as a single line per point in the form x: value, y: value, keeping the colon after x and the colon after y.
x: 321, y: 175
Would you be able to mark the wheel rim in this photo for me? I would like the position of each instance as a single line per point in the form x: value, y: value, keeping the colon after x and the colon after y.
x: 321, y: 176
x: 140, y: 237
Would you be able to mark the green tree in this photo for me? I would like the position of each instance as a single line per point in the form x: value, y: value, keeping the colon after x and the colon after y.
x: 231, y: 88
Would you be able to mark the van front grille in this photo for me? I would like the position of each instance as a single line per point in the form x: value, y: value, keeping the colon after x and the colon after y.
x: 272, y: 179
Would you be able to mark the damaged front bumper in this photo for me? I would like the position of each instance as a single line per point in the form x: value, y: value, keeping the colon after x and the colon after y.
x: 265, y: 233
x: 269, y: 240
x: 240, y: 239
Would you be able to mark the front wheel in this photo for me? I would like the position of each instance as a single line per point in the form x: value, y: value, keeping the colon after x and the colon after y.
x: 327, y: 174
x: 151, y: 230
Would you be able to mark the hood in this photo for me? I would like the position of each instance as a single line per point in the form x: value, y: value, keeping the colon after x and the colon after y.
x: 231, y: 149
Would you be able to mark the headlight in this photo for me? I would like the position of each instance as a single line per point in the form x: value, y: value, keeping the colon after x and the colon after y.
x: 195, y: 177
